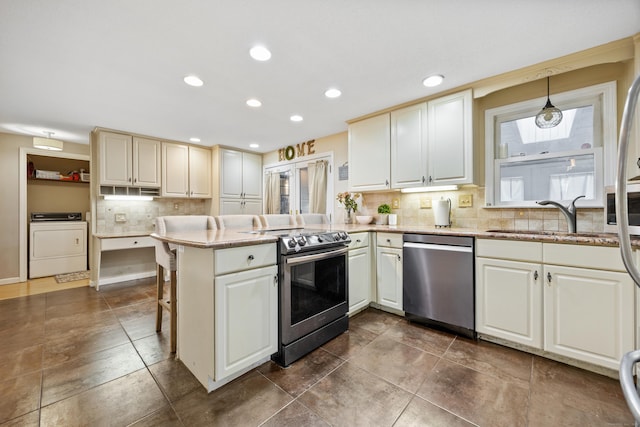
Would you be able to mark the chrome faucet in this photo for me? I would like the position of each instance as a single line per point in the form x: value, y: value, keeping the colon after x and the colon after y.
x: 569, y: 212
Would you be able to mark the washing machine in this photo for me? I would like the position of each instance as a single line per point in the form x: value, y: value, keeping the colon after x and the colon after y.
x: 57, y: 243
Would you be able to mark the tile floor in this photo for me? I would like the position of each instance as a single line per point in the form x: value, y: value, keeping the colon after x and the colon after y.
x: 81, y: 357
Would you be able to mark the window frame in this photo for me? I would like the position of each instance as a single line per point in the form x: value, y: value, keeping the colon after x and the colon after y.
x: 608, y: 122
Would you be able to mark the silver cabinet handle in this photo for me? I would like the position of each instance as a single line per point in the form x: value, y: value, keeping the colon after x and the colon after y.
x: 129, y: 179
x: 135, y: 180
x: 549, y: 278
x: 430, y: 178
x: 424, y: 179
x: 358, y: 241
x: 250, y: 258
x: 535, y: 275
x: 398, y: 257
x: 275, y: 279
x: 386, y: 182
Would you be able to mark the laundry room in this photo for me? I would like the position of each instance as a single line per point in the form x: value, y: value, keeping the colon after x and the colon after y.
x: 58, y: 200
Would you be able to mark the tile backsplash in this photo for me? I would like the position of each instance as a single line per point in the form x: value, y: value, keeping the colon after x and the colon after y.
x: 478, y: 217
x: 116, y: 217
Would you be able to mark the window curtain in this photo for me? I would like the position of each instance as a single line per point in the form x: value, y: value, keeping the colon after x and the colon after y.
x: 512, y: 189
x: 272, y: 193
x: 318, y: 186
x: 570, y: 186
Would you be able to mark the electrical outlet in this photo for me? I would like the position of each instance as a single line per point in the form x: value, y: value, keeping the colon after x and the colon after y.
x: 425, y: 203
x: 395, y: 204
x: 176, y: 206
x: 465, y: 200
x: 121, y: 217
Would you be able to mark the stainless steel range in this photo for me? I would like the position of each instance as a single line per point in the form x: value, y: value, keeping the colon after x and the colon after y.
x: 313, y: 270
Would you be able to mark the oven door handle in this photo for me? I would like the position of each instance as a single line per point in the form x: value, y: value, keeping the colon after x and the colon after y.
x: 315, y: 257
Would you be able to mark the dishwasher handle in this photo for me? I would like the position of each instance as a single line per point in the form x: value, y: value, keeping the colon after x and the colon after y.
x: 437, y: 247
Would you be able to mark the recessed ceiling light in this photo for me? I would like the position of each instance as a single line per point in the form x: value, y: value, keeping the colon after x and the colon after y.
x: 254, y: 145
x: 432, y: 81
x: 332, y: 93
x: 253, y: 102
x: 296, y: 118
x: 260, y: 53
x: 192, y: 80
x: 194, y: 139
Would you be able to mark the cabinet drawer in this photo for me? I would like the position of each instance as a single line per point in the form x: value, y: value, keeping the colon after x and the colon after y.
x: 389, y: 240
x: 509, y: 249
x: 596, y: 257
x: 119, y: 243
x: 244, y: 258
x: 359, y: 240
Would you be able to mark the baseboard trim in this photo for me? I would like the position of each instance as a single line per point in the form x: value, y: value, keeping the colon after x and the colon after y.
x: 122, y: 278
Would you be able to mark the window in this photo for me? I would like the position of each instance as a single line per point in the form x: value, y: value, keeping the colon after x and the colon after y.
x: 526, y: 164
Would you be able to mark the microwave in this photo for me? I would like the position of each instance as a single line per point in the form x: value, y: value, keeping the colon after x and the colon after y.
x: 633, y: 206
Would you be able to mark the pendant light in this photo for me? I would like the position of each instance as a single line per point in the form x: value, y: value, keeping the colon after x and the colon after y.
x: 549, y: 116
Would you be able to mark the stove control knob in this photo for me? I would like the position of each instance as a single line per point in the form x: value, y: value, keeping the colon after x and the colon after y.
x: 344, y: 235
x: 336, y: 237
x: 291, y: 243
x: 301, y: 241
x: 320, y: 239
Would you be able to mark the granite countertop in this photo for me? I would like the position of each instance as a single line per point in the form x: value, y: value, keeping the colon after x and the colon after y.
x: 229, y: 238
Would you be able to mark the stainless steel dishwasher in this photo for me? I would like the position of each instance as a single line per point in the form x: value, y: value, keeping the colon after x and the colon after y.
x: 439, y: 281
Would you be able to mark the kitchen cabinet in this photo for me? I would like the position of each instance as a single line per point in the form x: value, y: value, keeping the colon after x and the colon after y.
x: 126, y: 160
x: 228, y: 313
x: 425, y: 144
x: 409, y: 146
x: 186, y: 171
x: 369, y: 154
x: 450, y: 140
x: 389, y: 270
x: 246, y: 318
x: 359, y: 272
x: 509, y: 290
x: 239, y: 182
x: 570, y: 300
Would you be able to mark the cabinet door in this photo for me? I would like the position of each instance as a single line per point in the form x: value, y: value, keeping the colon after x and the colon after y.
x: 589, y: 314
x: 409, y: 147
x: 231, y: 174
x: 175, y: 170
x: 199, y: 172
x: 450, y: 152
x: 252, y: 175
x: 146, y: 162
x: 369, y: 154
x: 389, y: 277
x: 115, y: 159
x: 252, y: 207
x: 359, y: 279
x: 246, y: 319
x: 509, y: 300
x: 231, y: 207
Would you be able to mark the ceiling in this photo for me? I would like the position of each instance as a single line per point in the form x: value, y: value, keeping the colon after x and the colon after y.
x: 68, y: 66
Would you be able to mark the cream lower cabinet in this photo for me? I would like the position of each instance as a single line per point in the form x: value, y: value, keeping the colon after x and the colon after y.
x: 246, y: 319
x: 389, y: 270
x: 570, y: 300
x: 359, y: 272
x: 227, y: 310
x: 509, y: 300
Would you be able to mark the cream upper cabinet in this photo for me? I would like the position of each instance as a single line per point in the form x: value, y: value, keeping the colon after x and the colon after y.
x: 129, y: 161
x: 369, y: 154
x: 186, y: 171
x: 240, y: 174
x: 421, y: 145
x: 450, y: 148
x: 409, y: 147
x: 199, y: 172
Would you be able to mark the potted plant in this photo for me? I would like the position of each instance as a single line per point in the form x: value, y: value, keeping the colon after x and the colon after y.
x: 383, y: 212
x: 348, y: 200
